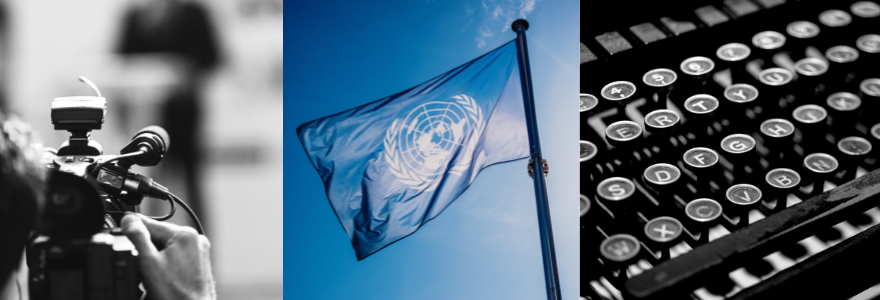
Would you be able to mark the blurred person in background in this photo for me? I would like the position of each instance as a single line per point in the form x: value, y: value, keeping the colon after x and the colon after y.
x: 4, y: 55
x: 180, y: 35
x: 174, y: 261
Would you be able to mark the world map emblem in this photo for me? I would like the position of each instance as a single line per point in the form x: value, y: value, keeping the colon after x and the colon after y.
x: 422, y: 147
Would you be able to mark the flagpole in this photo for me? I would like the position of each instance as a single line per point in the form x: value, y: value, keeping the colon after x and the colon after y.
x: 551, y: 277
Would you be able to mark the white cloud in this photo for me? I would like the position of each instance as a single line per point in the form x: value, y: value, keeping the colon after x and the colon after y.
x: 500, y: 14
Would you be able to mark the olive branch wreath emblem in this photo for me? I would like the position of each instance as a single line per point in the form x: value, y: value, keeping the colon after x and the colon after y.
x: 424, y: 182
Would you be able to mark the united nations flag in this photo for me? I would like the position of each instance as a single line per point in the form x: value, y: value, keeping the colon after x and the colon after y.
x: 392, y: 165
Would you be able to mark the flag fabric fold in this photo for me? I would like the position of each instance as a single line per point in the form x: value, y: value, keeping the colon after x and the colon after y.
x: 392, y: 165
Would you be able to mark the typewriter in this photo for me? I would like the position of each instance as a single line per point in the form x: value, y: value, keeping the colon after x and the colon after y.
x: 728, y: 149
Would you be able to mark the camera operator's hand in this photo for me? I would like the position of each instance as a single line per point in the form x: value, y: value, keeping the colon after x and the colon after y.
x: 176, y: 263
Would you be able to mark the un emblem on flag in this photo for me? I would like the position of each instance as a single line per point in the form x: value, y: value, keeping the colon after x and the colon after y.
x: 420, y: 147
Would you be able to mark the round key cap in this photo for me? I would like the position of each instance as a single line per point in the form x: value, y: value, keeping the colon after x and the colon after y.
x: 869, y: 91
x: 697, y: 71
x: 663, y: 233
x: 623, y: 134
x: 617, y: 195
x: 734, y: 56
x: 852, y: 151
x: 842, y: 65
x: 619, y: 251
x: 742, y: 198
x: 659, y: 83
x: 776, y: 89
x: 811, y: 77
x: 742, y: 97
x: 803, y: 34
x: 702, y: 213
x: 779, y: 183
x: 835, y: 18
x: 662, y: 122
x: 812, y: 122
x: 875, y: 138
x: 588, y: 103
x: 701, y: 106
x: 866, y: 16
x: 768, y: 40
x: 778, y: 135
x: 767, y: 43
x: 703, y: 162
x: 775, y: 77
x: 802, y: 30
x: 585, y: 205
x: 865, y: 9
x: 588, y: 150
x: 741, y: 94
x: 697, y: 66
x: 844, y: 110
x: 619, y: 92
x: 739, y: 150
x: 662, y: 178
x: 818, y: 167
x: 869, y: 44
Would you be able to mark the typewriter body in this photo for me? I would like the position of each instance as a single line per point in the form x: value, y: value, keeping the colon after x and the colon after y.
x: 728, y: 149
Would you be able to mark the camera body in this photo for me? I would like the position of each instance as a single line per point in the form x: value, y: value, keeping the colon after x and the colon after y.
x: 79, y: 251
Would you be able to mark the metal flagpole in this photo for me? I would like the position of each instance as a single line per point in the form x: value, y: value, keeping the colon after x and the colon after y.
x: 551, y: 277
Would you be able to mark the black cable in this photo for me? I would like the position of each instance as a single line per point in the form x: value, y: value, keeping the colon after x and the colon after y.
x: 101, y: 165
x: 167, y: 216
x: 190, y: 212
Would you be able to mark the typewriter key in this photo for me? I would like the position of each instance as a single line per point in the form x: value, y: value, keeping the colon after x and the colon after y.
x: 778, y: 135
x: 734, y: 56
x: 619, y: 92
x: 619, y: 251
x: 775, y: 89
x: 588, y: 103
x: 803, y: 34
x: 703, y: 163
x: 663, y: 233
x: 875, y: 138
x: 780, y: 182
x: 623, y: 134
x: 869, y: 91
x: 742, y: 198
x: 702, y: 213
x: 662, y: 122
x: 659, y: 82
x: 870, y: 46
x: 812, y: 122
x: 739, y: 150
x: 585, y: 206
x: 835, y: 18
x: 867, y: 14
x: 697, y: 71
x: 853, y: 151
x: 662, y: 178
x: 865, y: 9
x: 588, y: 151
x: 810, y: 81
x: 617, y: 195
x: 835, y: 22
x: 842, y: 68
x: 701, y: 106
x: 742, y: 96
x: 767, y: 44
x: 818, y: 167
x: 845, y: 109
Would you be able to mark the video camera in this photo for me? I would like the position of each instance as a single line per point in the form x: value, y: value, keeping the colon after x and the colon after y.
x: 79, y: 251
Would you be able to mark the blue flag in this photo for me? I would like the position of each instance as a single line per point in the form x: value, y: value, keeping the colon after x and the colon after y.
x: 392, y: 165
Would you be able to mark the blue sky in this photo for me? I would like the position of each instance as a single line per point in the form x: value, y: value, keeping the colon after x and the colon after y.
x: 485, y: 245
